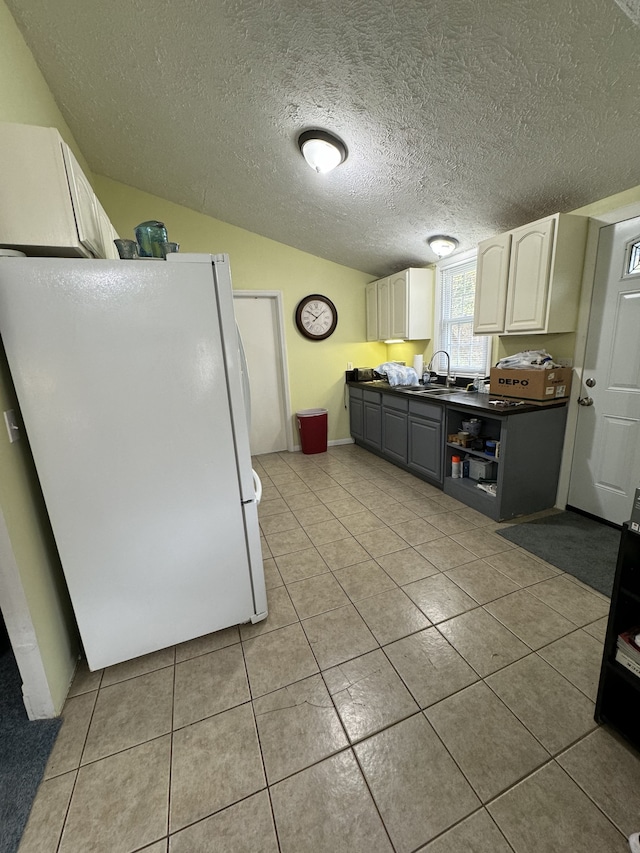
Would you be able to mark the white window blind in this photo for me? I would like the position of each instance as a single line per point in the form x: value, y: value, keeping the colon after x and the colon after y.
x: 456, y: 293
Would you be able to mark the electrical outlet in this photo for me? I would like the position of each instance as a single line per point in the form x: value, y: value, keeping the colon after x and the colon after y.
x: 349, y: 365
x: 564, y: 362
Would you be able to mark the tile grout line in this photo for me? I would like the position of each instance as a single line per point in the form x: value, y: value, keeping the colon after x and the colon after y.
x: 171, y: 744
x: 350, y: 745
x: 262, y: 759
x: 80, y: 765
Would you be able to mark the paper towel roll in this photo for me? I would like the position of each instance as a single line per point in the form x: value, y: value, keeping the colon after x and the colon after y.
x: 418, y: 365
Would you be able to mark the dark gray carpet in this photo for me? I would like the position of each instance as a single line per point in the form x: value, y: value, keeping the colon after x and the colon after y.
x: 578, y: 545
x: 24, y: 749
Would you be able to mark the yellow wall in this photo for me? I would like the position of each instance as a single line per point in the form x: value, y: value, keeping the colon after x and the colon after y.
x: 559, y: 345
x: 612, y: 202
x: 316, y: 368
x: 25, y: 98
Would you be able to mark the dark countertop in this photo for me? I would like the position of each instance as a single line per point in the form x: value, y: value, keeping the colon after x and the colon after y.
x: 472, y: 400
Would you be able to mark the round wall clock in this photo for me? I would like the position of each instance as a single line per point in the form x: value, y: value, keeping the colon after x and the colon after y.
x: 316, y: 317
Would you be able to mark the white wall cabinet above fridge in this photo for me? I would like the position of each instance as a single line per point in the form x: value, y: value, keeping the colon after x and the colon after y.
x: 47, y: 205
x: 529, y: 279
x: 400, y: 306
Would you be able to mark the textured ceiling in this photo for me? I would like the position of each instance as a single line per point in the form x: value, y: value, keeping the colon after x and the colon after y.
x: 464, y: 117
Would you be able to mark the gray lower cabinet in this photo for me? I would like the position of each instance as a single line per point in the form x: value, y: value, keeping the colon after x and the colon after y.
x: 404, y: 431
x: 527, y: 467
x: 425, y: 448
x: 413, y: 433
x: 365, y: 416
x: 372, y: 419
x: 394, y: 428
x: 356, y: 413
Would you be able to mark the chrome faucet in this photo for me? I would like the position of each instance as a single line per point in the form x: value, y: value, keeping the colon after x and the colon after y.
x: 449, y: 380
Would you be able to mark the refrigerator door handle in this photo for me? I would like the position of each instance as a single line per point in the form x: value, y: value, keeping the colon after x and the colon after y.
x: 257, y: 484
x: 244, y: 373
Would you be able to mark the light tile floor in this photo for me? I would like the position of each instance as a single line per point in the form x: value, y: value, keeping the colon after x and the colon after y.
x: 420, y: 684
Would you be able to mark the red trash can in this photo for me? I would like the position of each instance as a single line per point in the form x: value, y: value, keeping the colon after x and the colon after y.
x: 312, y: 424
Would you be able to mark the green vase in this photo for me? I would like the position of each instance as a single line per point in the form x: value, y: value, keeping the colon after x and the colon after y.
x: 150, y: 237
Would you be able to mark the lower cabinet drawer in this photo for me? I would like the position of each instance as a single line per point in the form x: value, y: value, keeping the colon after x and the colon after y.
x: 391, y: 401
x: 426, y: 410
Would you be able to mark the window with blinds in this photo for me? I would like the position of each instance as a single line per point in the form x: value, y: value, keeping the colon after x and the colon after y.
x: 469, y: 353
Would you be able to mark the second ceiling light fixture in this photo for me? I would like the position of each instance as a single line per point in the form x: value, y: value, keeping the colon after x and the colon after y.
x: 442, y: 245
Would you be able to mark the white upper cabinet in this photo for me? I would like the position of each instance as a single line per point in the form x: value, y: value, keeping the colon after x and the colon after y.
x: 529, y: 280
x: 84, y: 204
x: 411, y: 300
x: 47, y: 205
x: 403, y: 306
x: 107, y: 233
x: 529, y: 277
x: 371, y: 302
x: 492, y: 275
x: 384, y: 310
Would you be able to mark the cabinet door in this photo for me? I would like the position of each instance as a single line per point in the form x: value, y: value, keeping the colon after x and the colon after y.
x: 425, y: 447
x: 491, y: 285
x: 372, y: 424
x: 356, y: 414
x: 411, y: 304
x: 107, y: 233
x: 84, y: 208
x: 394, y: 435
x: 371, y: 303
x: 36, y: 215
x: 399, y: 305
x: 384, y: 314
x: 529, y: 272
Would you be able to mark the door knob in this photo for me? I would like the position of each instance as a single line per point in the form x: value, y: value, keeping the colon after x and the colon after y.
x: 585, y: 401
x: 590, y: 382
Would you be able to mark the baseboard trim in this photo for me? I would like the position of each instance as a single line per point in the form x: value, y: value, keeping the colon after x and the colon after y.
x: 336, y: 441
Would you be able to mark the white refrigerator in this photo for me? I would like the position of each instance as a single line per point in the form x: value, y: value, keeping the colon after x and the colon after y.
x: 129, y: 380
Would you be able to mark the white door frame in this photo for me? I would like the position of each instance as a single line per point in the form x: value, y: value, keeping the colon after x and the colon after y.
x: 588, y: 280
x: 282, y: 346
x: 36, y: 692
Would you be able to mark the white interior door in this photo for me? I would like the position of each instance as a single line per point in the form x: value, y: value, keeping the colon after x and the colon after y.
x: 606, y: 462
x: 259, y: 318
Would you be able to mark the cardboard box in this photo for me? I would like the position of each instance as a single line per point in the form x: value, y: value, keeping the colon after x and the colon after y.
x: 531, y: 384
x: 634, y: 521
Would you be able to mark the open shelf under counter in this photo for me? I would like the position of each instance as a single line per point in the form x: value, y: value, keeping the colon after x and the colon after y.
x: 466, y: 490
x: 480, y: 454
x: 526, y: 469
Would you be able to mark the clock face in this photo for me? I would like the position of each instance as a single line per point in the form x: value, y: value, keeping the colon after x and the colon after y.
x: 316, y: 317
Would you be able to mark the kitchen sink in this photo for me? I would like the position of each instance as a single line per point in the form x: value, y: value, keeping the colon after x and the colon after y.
x: 429, y: 392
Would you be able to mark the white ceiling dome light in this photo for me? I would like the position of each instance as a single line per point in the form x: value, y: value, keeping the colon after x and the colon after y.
x: 442, y: 245
x: 322, y: 151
